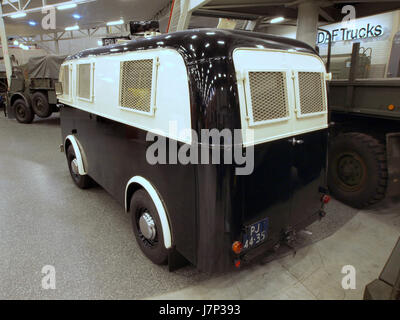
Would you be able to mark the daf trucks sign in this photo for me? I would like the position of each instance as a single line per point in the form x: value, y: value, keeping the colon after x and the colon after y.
x: 359, y: 29
x: 345, y: 34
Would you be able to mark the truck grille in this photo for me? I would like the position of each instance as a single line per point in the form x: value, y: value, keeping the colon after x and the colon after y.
x: 268, y: 92
x: 312, y: 96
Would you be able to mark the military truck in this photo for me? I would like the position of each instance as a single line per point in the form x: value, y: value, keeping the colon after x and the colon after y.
x: 32, y: 89
x: 364, y: 156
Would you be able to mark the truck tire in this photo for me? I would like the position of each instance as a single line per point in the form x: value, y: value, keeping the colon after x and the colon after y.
x: 147, y: 227
x: 357, y: 172
x: 23, y: 112
x: 40, y: 105
x: 82, y: 181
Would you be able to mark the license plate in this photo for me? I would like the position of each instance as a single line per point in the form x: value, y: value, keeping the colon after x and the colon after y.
x: 255, y: 234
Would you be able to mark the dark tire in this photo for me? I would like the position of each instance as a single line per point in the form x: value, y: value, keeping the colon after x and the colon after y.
x: 83, y: 182
x: 23, y: 112
x: 357, y: 173
x: 154, y: 248
x: 40, y: 105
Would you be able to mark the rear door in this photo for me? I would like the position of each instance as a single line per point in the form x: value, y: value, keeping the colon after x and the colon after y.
x: 284, y: 114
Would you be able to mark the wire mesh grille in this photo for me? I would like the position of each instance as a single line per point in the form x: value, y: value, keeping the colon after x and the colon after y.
x: 268, y: 96
x: 65, y: 80
x: 312, y: 97
x: 136, y: 84
x: 84, y: 80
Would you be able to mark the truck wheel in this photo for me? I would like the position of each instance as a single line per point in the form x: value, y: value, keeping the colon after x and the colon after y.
x: 147, y: 227
x: 357, y: 173
x: 23, y: 112
x: 83, y: 182
x: 40, y: 105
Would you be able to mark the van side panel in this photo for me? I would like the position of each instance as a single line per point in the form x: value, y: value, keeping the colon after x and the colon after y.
x: 117, y: 152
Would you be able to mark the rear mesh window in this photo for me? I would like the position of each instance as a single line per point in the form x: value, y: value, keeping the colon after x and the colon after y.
x: 268, y: 96
x: 136, y: 84
x: 312, y: 97
x: 84, y: 80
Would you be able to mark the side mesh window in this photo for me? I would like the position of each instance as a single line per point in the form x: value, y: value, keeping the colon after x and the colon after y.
x: 136, y: 87
x: 84, y: 72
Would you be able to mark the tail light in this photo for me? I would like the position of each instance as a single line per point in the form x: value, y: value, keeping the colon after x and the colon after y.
x: 238, y: 263
x: 237, y: 247
x: 325, y: 199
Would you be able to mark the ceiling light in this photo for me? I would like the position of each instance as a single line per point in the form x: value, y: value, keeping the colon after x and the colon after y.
x: 18, y: 15
x: 76, y: 16
x: 32, y: 23
x: 67, y: 6
x: 277, y: 20
x: 115, y: 23
x: 73, y: 28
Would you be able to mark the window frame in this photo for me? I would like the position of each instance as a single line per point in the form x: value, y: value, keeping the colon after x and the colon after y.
x: 153, y: 95
x: 299, y: 113
x: 249, y: 103
x: 91, y: 95
x: 64, y: 96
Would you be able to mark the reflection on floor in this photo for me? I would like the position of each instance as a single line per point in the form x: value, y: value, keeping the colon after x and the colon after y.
x: 364, y: 242
x: 87, y: 237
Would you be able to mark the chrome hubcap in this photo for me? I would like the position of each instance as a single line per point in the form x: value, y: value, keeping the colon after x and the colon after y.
x: 147, y: 226
x: 74, y: 167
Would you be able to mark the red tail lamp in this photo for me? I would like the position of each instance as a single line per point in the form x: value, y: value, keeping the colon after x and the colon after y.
x: 238, y: 263
x: 325, y: 199
x: 237, y: 247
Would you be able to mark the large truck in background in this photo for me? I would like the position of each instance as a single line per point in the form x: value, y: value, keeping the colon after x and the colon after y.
x: 32, y: 90
x: 364, y: 156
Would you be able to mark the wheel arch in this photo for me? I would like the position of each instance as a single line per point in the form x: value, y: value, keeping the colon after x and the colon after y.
x: 71, y: 140
x: 18, y: 95
x: 139, y: 182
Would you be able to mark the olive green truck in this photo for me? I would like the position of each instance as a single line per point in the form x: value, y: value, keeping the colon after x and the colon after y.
x: 364, y: 153
x: 32, y: 90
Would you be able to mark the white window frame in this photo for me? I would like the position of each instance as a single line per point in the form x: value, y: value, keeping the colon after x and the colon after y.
x: 297, y: 95
x: 69, y: 96
x: 153, y: 100
x: 249, y: 103
x: 92, y: 67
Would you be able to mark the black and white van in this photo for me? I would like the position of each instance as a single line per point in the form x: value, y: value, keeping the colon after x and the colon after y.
x: 272, y: 88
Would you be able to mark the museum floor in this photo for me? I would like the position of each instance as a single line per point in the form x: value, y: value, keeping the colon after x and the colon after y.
x: 87, y: 237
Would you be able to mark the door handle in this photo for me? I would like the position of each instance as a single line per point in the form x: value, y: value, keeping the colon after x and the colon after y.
x: 295, y: 142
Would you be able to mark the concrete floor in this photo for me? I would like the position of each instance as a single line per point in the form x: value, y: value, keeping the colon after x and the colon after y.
x: 87, y: 237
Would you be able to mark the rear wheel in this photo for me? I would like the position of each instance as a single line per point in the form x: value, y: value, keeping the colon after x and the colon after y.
x: 23, y: 112
x: 147, y: 227
x: 357, y: 173
x: 82, y: 181
x: 40, y: 105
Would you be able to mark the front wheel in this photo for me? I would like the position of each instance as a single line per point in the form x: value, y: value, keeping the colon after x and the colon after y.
x: 357, y: 173
x: 82, y: 181
x: 147, y: 227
